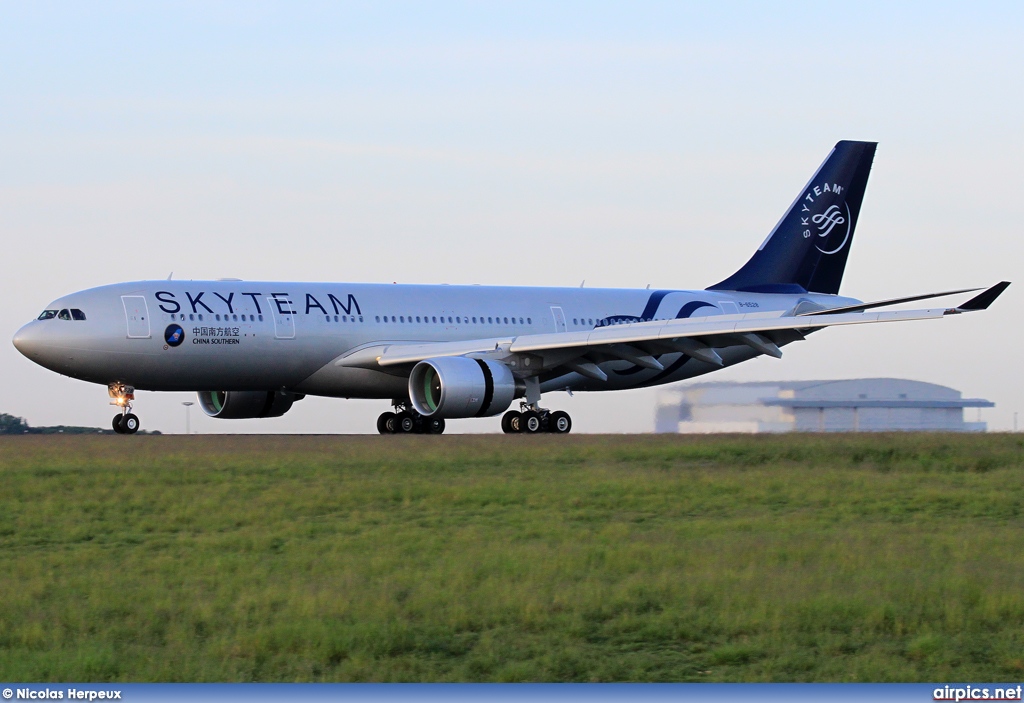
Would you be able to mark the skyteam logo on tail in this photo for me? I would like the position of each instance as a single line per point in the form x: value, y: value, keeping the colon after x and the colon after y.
x: 828, y: 219
x: 824, y: 222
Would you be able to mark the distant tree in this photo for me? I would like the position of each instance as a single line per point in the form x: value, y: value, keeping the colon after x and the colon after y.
x: 9, y: 424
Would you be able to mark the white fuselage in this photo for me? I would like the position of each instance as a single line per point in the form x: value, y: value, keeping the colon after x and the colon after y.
x: 241, y: 335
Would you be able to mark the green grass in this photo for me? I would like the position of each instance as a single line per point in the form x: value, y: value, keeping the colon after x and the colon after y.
x: 795, y: 558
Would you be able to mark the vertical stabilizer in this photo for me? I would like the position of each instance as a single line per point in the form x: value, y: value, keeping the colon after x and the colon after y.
x: 807, y: 250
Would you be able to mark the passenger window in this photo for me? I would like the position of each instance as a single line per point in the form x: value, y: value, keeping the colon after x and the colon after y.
x: 77, y: 314
x: 529, y: 321
x: 47, y: 315
x: 506, y: 320
x: 64, y: 315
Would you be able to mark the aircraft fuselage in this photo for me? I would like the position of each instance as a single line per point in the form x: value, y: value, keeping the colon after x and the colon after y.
x: 240, y: 335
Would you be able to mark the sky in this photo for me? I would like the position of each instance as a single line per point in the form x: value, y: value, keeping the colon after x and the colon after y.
x: 509, y: 143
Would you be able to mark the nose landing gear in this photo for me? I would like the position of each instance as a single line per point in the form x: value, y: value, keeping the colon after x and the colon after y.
x: 125, y: 422
x: 532, y: 419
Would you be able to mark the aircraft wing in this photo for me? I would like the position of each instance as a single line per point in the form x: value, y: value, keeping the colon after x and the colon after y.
x: 641, y: 342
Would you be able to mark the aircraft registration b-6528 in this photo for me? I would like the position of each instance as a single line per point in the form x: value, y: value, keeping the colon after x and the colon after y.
x: 251, y: 349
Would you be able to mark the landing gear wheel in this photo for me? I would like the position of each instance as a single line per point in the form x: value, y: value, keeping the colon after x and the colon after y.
x: 531, y: 422
x: 559, y: 422
x: 511, y: 422
x: 386, y: 423
x: 130, y: 424
x: 116, y: 424
x: 406, y: 423
x: 434, y: 425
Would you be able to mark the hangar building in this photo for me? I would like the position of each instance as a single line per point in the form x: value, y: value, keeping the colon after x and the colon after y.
x: 850, y: 405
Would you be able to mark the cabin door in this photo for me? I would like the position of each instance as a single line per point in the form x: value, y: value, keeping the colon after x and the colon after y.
x: 136, y: 314
x: 284, y: 322
x: 559, y: 316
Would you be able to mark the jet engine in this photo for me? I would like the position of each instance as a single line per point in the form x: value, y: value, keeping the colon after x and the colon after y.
x: 233, y: 405
x: 457, y: 386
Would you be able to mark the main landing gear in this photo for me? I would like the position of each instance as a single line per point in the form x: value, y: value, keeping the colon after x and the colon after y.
x: 534, y: 420
x: 125, y: 422
x: 407, y: 421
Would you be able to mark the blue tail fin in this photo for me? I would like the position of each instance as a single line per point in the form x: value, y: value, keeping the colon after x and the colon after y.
x: 807, y: 250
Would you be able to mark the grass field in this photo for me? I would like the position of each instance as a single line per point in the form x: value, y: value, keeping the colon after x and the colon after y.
x: 494, y: 558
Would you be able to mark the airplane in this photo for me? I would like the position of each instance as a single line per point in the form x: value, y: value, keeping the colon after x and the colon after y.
x: 251, y: 349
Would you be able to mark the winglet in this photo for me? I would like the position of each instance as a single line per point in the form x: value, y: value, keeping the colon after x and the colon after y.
x: 983, y: 300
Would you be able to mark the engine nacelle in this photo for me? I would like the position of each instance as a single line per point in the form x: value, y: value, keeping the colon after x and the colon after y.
x: 235, y: 405
x: 457, y: 386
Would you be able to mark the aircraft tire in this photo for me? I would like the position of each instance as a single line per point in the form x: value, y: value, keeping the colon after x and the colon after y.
x: 434, y: 425
x: 386, y: 423
x: 116, y: 424
x: 559, y: 422
x: 130, y: 424
x: 511, y: 422
x: 531, y: 423
x: 405, y: 423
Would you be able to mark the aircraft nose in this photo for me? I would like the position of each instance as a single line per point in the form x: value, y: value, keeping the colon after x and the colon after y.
x: 26, y: 340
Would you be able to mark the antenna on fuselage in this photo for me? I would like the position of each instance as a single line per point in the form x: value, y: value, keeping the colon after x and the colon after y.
x: 170, y: 275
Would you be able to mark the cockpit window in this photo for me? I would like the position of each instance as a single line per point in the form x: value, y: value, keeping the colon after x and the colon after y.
x: 47, y: 315
x: 77, y: 314
x: 64, y: 315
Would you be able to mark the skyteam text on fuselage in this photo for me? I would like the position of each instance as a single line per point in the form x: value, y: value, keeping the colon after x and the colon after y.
x: 252, y: 348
